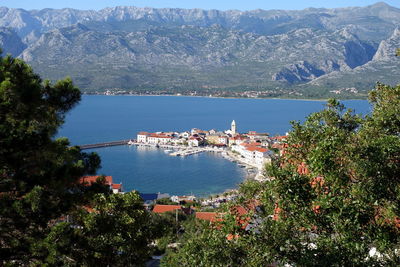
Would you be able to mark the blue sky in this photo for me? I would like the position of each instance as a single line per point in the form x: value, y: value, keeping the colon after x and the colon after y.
x: 204, y: 4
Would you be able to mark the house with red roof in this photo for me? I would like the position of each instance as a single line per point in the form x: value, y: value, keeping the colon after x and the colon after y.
x: 88, y: 180
x: 116, y: 188
x: 108, y: 180
x: 155, y: 138
x: 254, y: 153
x: 237, y: 140
x: 195, y: 141
x: 158, y: 138
x: 209, y: 216
x: 142, y: 137
x: 166, y: 208
x: 172, y: 208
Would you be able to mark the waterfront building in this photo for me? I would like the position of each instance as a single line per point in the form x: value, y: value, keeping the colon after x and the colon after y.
x: 158, y: 138
x: 195, y: 141
x: 142, y: 137
x: 253, y: 153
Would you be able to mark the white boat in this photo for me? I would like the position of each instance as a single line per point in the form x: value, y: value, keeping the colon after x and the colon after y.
x: 168, y: 151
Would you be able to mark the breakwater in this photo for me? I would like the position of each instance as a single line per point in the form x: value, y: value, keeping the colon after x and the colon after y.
x: 105, y: 144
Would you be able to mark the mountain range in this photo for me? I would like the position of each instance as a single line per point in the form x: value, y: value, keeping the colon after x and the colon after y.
x: 308, y: 53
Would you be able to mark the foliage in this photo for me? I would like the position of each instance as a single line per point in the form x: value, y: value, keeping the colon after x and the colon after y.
x: 41, y: 216
x: 166, y: 201
x: 117, y: 233
x: 333, y: 198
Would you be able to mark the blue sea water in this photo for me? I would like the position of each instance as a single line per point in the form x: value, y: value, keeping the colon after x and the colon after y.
x: 107, y: 118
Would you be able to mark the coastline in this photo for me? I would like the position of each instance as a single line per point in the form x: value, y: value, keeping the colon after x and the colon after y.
x: 233, y: 97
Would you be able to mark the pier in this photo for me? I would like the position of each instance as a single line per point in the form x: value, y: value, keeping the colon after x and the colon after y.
x: 105, y: 144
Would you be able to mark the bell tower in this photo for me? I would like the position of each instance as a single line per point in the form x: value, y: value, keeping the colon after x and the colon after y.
x: 233, y: 127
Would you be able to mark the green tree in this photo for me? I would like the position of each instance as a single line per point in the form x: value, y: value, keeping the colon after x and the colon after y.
x: 334, y: 197
x: 35, y: 169
x: 41, y: 216
x: 117, y: 233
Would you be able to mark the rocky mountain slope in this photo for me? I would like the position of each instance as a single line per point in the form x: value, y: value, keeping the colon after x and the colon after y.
x: 383, y: 67
x: 307, y: 52
x: 10, y: 42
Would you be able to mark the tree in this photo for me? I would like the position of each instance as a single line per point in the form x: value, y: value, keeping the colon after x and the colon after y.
x: 41, y: 216
x: 334, y: 197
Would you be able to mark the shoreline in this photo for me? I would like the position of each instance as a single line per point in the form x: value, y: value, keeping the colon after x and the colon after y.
x: 232, y: 97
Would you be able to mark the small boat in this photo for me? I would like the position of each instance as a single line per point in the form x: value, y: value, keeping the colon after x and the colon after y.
x: 168, y: 151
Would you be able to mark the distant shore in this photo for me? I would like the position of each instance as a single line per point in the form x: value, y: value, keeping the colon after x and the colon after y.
x: 235, y: 97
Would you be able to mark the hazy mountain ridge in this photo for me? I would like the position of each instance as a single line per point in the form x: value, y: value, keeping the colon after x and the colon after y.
x: 130, y: 47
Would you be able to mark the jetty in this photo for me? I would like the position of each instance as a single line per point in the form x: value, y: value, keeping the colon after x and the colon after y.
x: 105, y: 144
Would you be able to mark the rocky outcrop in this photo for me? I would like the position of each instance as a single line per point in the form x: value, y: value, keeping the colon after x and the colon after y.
x: 387, y: 48
x: 299, y: 72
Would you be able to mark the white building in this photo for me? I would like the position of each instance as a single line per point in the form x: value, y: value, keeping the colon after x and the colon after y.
x: 223, y: 140
x: 142, y: 137
x: 195, y: 141
x: 158, y: 139
x: 184, y: 134
x: 253, y: 153
x: 178, y: 199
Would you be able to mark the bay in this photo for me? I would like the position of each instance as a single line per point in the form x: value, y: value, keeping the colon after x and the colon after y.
x: 108, y: 118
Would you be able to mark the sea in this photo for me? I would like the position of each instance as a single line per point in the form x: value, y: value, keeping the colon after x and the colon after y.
x: 100, y: 118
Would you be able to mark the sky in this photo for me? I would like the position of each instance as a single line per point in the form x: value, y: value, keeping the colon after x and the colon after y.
x: 203, y: 4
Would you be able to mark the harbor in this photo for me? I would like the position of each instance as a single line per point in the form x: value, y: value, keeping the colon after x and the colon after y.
x: 250, y: 151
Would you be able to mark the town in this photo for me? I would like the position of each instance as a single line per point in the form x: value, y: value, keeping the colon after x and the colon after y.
x: 251, y: 150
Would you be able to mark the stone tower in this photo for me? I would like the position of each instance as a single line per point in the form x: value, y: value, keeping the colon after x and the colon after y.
x: 233, y: 127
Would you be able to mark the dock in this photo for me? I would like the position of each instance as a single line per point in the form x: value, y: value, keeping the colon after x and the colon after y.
x: 105, y: 144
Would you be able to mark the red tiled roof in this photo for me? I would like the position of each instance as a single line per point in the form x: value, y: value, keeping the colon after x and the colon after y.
x: 261, y: 149
x: 209, y: 216
x: 160, y: 136
x: 88, y: 180
x: 279, y: 137
x: 278, y: 146
x: 116, y: 186
x: 165, y: 208
x: 143, y: 133
x: 254, y: 144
